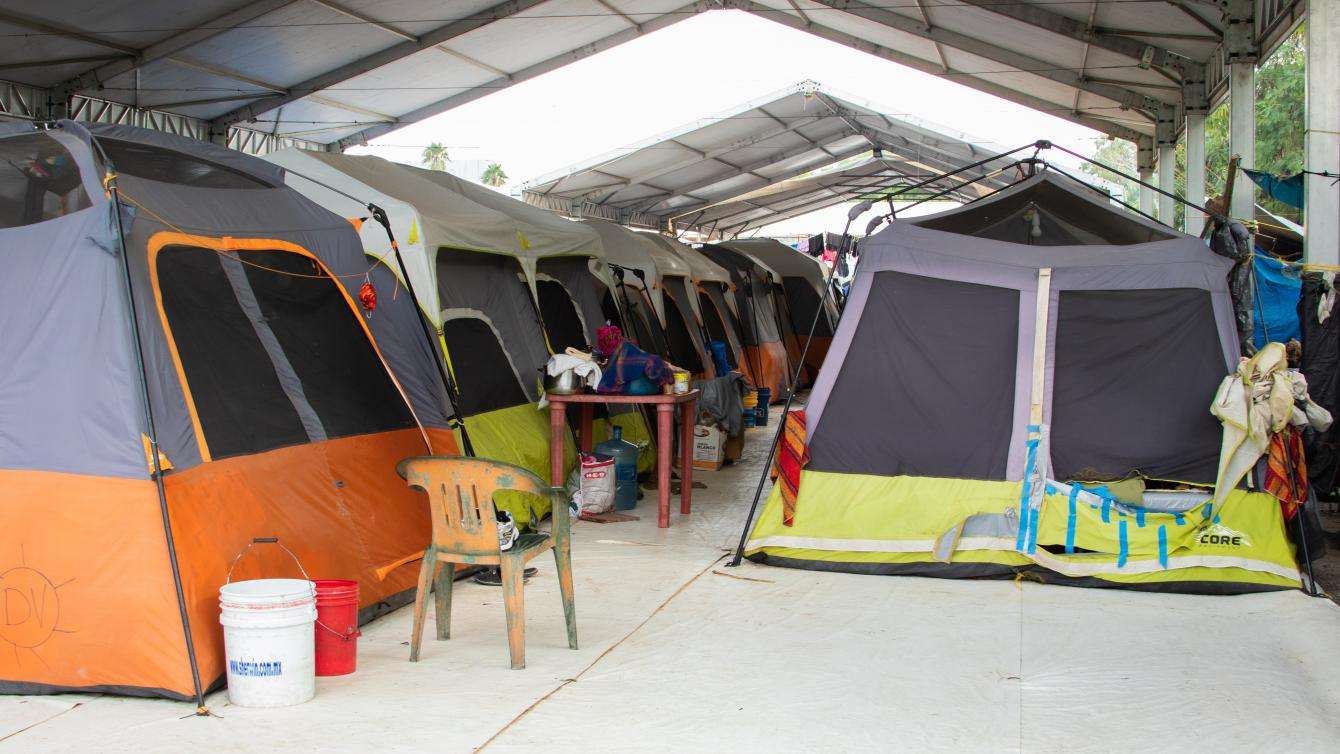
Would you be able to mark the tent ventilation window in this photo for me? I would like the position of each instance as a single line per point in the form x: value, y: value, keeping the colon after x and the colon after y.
x: 168, y: 166
x: 39, y: 181
x: 484, y: 374
x: 272, y: 359
x: 562, y: 324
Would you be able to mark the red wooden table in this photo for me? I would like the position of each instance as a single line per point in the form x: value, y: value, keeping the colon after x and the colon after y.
x: 665, y: 439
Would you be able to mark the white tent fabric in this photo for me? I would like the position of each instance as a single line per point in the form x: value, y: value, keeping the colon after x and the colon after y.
x: 430, y: 210
x: 637, y: 251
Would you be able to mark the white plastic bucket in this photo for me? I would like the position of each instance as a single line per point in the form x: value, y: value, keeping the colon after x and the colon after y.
x: 269, y: 641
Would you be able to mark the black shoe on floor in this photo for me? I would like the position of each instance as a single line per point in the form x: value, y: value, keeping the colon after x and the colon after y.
x: 493, y: 576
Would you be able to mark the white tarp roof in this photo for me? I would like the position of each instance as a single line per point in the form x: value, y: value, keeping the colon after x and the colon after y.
x: 681, y: 174
x: 870, y: 177
x: 345, y: 71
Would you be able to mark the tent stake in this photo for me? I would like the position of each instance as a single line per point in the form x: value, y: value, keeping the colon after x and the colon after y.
x: 151, y: 426
x: 854, y: 213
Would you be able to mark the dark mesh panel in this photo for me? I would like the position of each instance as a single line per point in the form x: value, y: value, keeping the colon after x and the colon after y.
x: 240, y: 403
x: 38, y: 181
x: 342, y: 377
x: 168, y: 166
x: 1135, y: 374
x: 682, y: 351
x: 611, y: 310
x: 927, y: 388
x: 803, y: 301
x: 489, y: 384
x: 561, y: 323
x: 647, y: 332
x: 716, y: 329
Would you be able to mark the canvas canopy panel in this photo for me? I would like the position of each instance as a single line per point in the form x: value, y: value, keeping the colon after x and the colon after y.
x: 927, y: 453
x: 1049, y: 210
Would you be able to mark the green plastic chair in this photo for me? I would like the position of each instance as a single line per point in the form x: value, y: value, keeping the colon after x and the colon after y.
x: 465, y: 530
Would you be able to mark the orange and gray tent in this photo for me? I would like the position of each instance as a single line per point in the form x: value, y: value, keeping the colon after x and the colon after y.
x: 804, y: 279
x: 279, y: 404
x: 760, y: 320
x: 1023, y: 385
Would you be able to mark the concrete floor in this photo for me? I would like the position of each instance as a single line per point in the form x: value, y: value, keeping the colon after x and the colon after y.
x: 681, y: 654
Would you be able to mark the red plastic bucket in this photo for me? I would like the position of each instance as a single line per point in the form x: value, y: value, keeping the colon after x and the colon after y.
x: 336, y: 626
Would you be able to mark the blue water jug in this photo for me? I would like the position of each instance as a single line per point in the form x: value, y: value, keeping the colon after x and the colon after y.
x: 624, y: 454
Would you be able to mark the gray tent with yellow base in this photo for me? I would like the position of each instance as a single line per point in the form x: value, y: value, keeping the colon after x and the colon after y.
x: 1022, y: 385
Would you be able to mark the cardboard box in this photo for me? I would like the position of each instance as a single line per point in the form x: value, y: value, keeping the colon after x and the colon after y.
x: 708, y: 450
x: 734, y: 447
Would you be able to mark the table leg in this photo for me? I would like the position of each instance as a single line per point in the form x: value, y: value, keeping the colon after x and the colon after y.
x: 584, y: 427
x: 687, y: 418
x: 665, y: 441
x: 558, y: 424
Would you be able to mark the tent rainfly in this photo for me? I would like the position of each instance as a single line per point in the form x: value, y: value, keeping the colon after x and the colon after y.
x: 279, y: 405
x: 1022, y: 385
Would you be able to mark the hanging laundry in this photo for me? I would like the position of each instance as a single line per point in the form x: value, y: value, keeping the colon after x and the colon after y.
x: 1259, y: 400
x: 1286, y: 470
x: 792, y: 455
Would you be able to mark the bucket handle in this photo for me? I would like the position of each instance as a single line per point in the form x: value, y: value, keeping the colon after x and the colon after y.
x: 265, y: 541
x: 352, y: 633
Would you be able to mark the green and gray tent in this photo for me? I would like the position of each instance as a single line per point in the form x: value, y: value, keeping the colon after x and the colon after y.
x: 992, y: 358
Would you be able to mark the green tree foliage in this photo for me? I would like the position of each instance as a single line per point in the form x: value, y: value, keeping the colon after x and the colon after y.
x: 1280, y: 89
x: 493, y: 176
x: 435, y: 156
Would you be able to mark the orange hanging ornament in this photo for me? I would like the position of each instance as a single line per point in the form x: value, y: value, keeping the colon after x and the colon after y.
x: 367, y: 296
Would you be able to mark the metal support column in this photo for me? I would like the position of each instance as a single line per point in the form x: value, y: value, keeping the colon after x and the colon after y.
x: 1322, y: 140
x: 1168, y: 182
x: 1144, y: 163
x: 1195, y: 170
x: 1240, y: 51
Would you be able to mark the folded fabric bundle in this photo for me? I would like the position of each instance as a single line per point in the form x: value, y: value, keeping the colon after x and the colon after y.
x: 628, y: 363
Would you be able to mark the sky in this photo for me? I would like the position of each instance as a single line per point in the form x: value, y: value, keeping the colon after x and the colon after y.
x: 695, y: 69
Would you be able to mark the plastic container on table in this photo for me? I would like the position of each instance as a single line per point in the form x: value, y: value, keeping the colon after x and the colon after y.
x: 625, y: 455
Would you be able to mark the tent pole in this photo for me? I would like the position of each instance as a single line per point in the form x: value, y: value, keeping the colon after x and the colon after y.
x: 448, y: 384
x: 154, y: 458
x: 855, y: 212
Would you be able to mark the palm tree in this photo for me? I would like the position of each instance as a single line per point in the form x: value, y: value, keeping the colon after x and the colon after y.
x: 493, y: 176
x: 435, y: 156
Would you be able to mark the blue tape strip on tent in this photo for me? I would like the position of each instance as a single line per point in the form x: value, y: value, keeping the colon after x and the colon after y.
x: 1070, y: 524
x: 1163, y: 546
x: 1020, y: 538
x: 1275, y: 307
x: 1122, y: 545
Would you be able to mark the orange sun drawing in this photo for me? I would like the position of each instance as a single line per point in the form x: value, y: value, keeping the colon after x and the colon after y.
x: 29, y: 611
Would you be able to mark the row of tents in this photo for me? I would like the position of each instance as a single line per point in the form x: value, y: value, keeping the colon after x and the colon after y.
x: 247, y: 347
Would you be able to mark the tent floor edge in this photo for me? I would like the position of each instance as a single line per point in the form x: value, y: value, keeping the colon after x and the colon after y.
x: 1036, y: 574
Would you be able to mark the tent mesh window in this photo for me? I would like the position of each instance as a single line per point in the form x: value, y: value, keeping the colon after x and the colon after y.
x: 343, y: 378
x: 562, y: 324
x: 927, y: 387
x: 238, y: 395
x: 39, y: 181
x: 169, y: 166
x: 610, y: 310
x: 489, y: 383
x: 716, y: 329
x: 682, y: 351
x: 647, y: 332
x: 1135, y: 371
x: 803, y: 302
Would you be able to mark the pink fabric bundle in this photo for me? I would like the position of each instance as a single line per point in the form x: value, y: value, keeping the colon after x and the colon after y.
x: 608, y: 338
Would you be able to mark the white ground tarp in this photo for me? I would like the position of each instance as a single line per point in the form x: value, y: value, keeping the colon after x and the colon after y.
x: 681, y: 654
